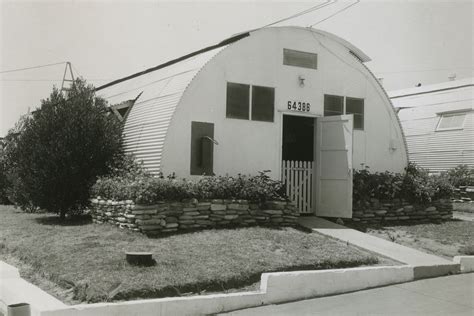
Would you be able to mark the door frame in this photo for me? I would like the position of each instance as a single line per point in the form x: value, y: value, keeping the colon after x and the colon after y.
x: 280, y: 152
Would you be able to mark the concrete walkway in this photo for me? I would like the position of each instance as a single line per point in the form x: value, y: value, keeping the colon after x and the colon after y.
x: 451, y: 295
x: 464, y: 216
x: 385, y: 248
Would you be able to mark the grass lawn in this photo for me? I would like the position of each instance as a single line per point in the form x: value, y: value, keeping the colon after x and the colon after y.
x: 81, y: 261
x: 446, y: 239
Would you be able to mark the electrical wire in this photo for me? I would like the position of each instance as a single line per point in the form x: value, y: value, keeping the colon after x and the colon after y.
x: 336, y: 13
x: 314, y: 8
x: 33, y: 67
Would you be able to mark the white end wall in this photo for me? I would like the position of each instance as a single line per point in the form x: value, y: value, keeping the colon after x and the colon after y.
x: 251, y: 146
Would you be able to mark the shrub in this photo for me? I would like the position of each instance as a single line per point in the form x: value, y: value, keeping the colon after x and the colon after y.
x: 3, y: 182
x: 416, y: 185
x: 62, y: 149
x: 146, y: 189
x: 461, y: 175
x: 382, y: 186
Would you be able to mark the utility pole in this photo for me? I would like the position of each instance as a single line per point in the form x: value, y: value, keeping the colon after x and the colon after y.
x: 64, y: 87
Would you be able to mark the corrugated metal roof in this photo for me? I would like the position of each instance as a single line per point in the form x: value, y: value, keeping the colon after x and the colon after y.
x: 432, y: 88
x: 148, y: 120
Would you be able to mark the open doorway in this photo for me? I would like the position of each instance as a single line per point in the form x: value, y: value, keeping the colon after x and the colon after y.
x: 298, y: 138
x: 298, y: 160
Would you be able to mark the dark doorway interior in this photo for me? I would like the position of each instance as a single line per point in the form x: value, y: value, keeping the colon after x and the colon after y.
x: 298, y: 138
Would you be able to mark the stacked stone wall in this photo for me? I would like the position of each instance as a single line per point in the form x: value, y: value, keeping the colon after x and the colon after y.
x: 169, y: 217
x: 396, y: 210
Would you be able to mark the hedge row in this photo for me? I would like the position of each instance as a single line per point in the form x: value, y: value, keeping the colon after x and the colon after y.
x: 146, y: 189
x: 416, y: 185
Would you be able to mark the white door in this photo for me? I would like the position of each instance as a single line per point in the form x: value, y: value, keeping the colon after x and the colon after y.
x: 333, y: 152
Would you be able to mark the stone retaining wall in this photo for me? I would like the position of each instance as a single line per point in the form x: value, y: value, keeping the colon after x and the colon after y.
x: 383, y: 211
x: 168, y: 217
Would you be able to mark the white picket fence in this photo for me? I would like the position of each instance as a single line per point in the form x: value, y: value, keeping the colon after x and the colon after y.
x: 298, y: 179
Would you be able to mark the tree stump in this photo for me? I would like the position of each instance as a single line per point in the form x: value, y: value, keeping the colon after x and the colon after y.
x: 140, y: 258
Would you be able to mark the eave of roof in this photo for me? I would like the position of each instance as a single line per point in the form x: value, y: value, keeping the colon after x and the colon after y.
x: 176, y: 60
x: 433, y: 88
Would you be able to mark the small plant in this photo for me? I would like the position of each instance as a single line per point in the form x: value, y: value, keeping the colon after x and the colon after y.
x: 467, y: 250
x: 461, y: 175
x: 392, y: 237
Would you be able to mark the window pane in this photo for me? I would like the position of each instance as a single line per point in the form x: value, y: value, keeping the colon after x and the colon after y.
x: 333, y: 105
x: 262, y: 103
x: 237, y: 105
x: 300, y: 59
x: 356, y: 107
x: 451, y: 121
x: 358, y: 121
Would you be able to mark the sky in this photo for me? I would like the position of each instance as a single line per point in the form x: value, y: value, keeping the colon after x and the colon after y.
x: 409, y: 42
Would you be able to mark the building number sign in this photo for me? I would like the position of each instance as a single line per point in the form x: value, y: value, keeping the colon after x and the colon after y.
x: 299, y: 106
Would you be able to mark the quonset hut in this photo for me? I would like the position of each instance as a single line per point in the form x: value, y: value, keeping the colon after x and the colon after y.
x: 297, y: 101
x: 438, y: 122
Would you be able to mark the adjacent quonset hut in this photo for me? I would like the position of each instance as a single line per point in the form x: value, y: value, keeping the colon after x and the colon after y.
x: 438, y: 122
x: 297, y: 101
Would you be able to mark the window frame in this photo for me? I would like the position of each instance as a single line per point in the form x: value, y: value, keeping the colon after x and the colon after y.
x: 252, y: 87
x: 343, y: 109
x: 449, y: 114
x: 286, y: 61
x: 250, y: 102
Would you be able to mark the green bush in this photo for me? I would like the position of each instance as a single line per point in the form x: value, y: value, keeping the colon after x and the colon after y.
x: 3, y: 182
x: 416, y: 185
x: 461, y: 175
x: 61, y: 150
x: 147, y: 189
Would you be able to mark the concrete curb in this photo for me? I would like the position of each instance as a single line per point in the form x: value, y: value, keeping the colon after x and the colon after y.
x: 466, y: 263
x: 275, y: 288
x: 15, y: 291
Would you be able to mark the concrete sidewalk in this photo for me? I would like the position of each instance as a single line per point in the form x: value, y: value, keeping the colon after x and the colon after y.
x: 385, y: 248
x: 451, y: 295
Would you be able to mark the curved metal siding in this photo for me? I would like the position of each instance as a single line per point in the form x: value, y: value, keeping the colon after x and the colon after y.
x: 442, y: 150
x: 148, y: 121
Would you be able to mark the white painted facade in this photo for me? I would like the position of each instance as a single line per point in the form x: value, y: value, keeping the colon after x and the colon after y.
x: 420, y: 112
x: 250, y: 146
x: 158, y: 127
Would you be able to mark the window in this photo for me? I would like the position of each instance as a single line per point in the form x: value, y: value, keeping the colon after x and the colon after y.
x: 263, y: 99
x: 300, y: 59
x: 356, y: 107
x: 451, y: 121
x: 237, y: 105
x: 333, y: 105
x: 202, y: 148
x: 261, y: 107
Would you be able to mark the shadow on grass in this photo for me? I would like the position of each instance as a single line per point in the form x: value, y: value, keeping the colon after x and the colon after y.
x: 77, y: 220
x: 231, y: 227
x: 364, y: 227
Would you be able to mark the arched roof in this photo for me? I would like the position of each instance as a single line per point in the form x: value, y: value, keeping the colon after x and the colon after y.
x: 158, y: 90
